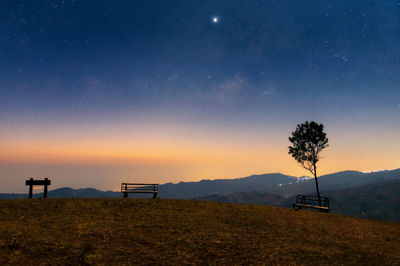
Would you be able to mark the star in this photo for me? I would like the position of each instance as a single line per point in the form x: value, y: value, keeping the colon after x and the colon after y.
x: 215, y: 19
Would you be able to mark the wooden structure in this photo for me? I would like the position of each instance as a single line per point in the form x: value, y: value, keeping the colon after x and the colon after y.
x: 139, y: 188
x: 46, y: 182
x: 312, y: 202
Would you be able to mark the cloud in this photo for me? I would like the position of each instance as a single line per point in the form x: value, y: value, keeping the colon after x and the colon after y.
x: 227, y: 91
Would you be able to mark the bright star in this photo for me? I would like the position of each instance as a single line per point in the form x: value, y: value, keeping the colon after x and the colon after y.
x: 215, y: 19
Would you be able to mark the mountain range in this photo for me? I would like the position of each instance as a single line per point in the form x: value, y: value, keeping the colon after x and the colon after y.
x: 66, y: 192
x: 372, y: 195
x: 277, y: 184
x: 262, y: 183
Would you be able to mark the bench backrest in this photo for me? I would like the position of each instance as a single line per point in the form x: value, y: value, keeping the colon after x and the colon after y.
x: 312, y: 200
x: 139, y: 187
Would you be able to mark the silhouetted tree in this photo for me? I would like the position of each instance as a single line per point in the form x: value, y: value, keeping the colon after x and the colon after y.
x: 308, y: 141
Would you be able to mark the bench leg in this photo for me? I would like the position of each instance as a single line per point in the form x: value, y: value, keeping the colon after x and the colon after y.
x: 125, y: 195
x: 296, y: 208
x: 155, y: 195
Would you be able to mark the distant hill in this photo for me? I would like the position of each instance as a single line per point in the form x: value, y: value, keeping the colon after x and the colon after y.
x: 83, y: 193
x: 67, y: 192
x: 376, y: 201
x: 337, y: 181
x: 276, y: 184
x: 261, y: 183
x: 184, y: 190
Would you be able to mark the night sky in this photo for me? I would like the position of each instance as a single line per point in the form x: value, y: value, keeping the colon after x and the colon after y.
x: 93, y: 93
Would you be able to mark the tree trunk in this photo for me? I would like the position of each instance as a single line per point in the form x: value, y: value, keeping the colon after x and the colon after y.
x: 316, y: 184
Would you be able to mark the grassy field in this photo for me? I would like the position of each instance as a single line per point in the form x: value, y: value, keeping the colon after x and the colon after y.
x: 145, y: 231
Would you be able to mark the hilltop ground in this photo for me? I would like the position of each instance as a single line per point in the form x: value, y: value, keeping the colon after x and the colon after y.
x: 145, y: 231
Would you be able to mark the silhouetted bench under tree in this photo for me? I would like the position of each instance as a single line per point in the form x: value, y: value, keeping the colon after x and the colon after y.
x: 311, y: 202
x: 139, y: 188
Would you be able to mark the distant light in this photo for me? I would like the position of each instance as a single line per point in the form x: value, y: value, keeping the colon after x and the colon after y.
x: 376, y: 171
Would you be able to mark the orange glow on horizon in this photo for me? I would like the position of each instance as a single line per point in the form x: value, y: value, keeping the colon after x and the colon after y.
x: 180, y: 153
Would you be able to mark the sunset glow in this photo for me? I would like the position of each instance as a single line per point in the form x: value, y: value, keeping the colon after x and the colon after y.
x: 176, y: 153
x: 178, y: 92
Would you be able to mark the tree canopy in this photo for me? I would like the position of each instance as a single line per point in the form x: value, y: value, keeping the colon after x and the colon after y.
x: 308, y: 140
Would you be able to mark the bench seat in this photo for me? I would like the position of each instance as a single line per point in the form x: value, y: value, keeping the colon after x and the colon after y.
x: 139, y: 188
x: 312, y: 202
x: 310, y: 206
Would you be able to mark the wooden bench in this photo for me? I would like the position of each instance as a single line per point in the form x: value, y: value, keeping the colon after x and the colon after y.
x: 312, y: 202
x: 139, y: 188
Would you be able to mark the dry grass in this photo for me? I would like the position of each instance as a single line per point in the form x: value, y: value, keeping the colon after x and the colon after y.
x: 145, y: 231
